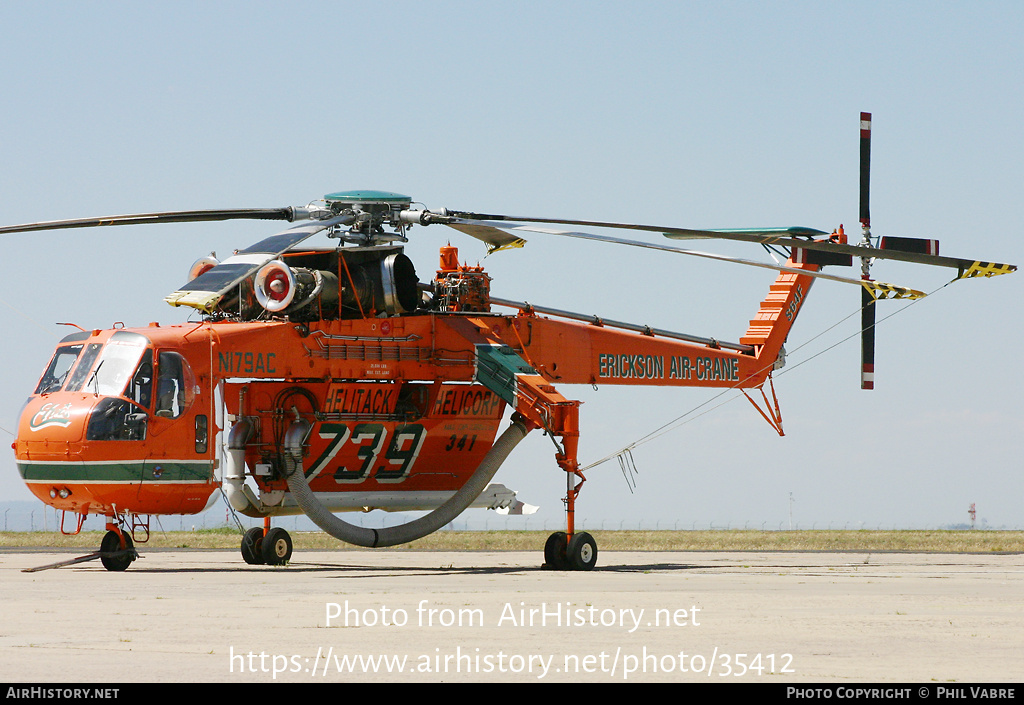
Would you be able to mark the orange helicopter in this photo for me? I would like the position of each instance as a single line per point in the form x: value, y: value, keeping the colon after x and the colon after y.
x: 335, y: 381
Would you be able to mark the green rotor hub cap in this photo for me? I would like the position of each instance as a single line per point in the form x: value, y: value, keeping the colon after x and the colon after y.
x: 364, y: 197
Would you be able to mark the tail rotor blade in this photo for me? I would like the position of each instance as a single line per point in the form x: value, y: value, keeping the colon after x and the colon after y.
x: 867, y: 340
x: 867, y: 310
x: 865, y: 171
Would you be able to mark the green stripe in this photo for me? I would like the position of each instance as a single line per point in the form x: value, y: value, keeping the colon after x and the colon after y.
x: 169, y: 471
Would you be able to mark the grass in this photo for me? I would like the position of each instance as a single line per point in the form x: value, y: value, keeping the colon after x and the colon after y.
x: 731, y: 540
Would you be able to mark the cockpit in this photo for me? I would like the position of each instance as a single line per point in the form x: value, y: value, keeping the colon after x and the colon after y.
x: 133, y: 381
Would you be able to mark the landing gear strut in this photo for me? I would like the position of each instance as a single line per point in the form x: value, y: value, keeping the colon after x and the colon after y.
x: 546, y: 408
x: 570, y: 550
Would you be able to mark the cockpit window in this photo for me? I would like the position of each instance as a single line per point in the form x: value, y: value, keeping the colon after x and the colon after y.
x: 175, y: 386
x: 140, y: 388
x: 57, y: 371
x: 116, y: 364
x: 116, y: 420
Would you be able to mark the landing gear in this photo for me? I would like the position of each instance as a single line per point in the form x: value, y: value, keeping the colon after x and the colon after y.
x: 262, y: 545
x: 577, y: 553
x: 570, y: 550
x: 543, y: 407
x: 113, y: 556
x: 252, y: 546
x: 277, y: 547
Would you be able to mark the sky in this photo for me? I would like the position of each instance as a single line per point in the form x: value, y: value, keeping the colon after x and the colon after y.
x: 688, y: 114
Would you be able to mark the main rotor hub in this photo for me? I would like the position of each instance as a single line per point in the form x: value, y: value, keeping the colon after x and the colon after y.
x: 379, y: 204
x: 374, y: 209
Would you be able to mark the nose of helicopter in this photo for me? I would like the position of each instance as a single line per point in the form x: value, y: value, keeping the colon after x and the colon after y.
x: 49, y: 445
x: 89, y: 454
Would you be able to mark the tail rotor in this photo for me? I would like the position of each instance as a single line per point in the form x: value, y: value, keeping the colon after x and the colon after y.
x: 867, y: 311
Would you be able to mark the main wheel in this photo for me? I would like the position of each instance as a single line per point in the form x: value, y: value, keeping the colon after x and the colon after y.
x: 277, y: 547
x: 111, y: 545
x: 555, y: 553
x: 582, y: 551
x: 252, y: 546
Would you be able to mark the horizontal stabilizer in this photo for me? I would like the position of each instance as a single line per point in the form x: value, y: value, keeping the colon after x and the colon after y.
x: 881, y: 290
x: 986, y: 269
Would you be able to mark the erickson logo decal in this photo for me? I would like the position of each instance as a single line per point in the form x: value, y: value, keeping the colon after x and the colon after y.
x: 51, y: 415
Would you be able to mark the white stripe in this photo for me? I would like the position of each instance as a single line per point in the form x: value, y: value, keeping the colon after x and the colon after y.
x: 80, y: 463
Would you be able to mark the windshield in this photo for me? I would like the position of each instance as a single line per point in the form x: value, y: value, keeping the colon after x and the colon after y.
x: 57, y: 371
x: 105, y: 369
x: 116, y: 364
x: 84, y: 367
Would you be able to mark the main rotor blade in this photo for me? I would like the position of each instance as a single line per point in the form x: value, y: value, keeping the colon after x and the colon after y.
x: 783, y: 237
x: 288, y: 213
x: 878, y: 289
x: 495, y: 238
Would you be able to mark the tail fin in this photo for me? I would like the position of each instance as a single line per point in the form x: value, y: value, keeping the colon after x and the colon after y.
x: 770, y: 327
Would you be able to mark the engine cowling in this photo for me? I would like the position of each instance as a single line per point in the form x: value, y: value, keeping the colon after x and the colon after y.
x: 362, y: 286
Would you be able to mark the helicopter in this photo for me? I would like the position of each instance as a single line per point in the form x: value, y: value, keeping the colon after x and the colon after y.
x: 333, y: 380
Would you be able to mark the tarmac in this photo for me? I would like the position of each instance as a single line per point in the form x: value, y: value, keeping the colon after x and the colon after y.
x: 204, y: 616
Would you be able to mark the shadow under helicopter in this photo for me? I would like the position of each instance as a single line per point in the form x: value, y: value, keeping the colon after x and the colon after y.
x: 361, y: 570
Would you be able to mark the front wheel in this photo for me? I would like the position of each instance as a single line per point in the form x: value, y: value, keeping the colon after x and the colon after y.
x: 113, y: 556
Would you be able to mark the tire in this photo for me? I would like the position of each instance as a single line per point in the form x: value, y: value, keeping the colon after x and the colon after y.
x: 277, y: 547
x: 555, y: 552
x: 252, y: 546
x: 582, y: 551
x: 111, y: 544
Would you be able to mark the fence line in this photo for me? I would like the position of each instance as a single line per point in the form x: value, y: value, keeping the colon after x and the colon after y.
x: 43, y: 518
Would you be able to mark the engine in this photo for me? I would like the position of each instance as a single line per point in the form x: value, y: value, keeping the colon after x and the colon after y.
x: 325, y: 284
